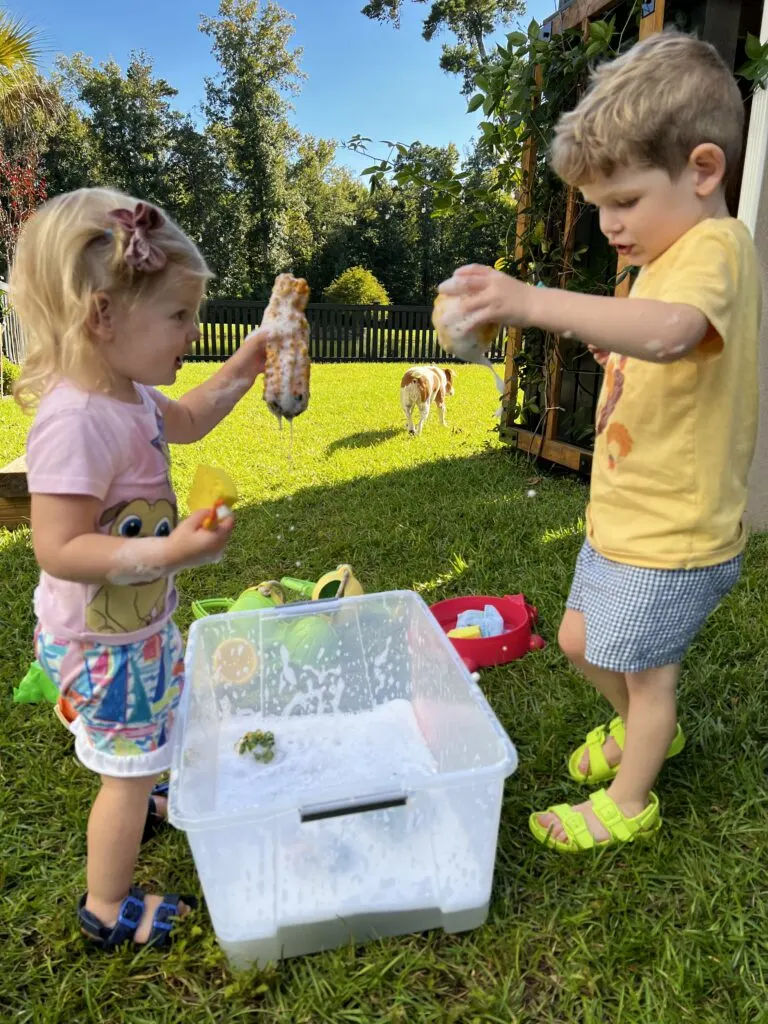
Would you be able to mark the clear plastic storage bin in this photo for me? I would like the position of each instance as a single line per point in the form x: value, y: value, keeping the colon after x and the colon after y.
x: 379, y: 812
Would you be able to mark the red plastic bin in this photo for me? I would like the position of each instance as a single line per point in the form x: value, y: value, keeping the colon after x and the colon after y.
x: 517, y: 639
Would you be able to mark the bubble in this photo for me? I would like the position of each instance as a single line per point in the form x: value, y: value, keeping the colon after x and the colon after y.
x: 291, y: 528
x: 530, y: 494
x: 298, y: 565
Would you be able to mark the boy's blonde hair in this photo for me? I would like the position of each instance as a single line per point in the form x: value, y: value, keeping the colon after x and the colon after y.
x: 653, y: 106
x: 69, y: 251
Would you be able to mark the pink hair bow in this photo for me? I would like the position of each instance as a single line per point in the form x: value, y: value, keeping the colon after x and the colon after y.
x: 139, y: 223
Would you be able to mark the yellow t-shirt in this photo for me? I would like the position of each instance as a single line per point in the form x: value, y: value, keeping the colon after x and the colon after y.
x: 674, y: 441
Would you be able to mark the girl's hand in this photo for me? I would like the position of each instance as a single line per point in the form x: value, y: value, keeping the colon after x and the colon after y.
x: 252, y: 354
x: 190, y: 544
x: 488, y: 296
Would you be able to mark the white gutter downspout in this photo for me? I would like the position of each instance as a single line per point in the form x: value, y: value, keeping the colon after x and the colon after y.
x: 757, y: 147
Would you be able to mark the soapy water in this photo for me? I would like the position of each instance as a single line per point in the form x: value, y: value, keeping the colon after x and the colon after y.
x: 417, y: 856
x: 378, y: 747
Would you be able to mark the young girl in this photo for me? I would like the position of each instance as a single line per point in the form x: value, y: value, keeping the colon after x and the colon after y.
x: 108, y: 290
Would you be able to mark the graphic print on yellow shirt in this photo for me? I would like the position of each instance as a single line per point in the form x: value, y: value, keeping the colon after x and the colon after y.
x: 617, y: 436
x: 674, y: 441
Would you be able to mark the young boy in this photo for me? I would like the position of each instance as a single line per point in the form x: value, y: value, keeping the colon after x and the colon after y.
x: 651, y: 145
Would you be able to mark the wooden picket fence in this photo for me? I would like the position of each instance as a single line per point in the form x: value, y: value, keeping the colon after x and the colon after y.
x: 338, y: 334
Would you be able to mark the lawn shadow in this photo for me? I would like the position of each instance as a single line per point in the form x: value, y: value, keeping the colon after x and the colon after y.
x: 363, y: 439
x: 445, y: 528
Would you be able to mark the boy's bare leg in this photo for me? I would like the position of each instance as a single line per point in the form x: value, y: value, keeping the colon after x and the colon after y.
x: 650, y: 727
x: 115, y: 827
x: 613, y: 685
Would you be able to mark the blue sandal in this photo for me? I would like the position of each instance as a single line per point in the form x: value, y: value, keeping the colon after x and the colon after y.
x: 128, y: 918
x: 155, y: 822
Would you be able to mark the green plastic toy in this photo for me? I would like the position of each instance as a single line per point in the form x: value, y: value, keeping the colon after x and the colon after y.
x: 35, y: 686
x: 266, y: 595
x: 310, y: 636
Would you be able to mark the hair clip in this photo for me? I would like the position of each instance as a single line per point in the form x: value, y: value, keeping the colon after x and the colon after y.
x: 141, y: 253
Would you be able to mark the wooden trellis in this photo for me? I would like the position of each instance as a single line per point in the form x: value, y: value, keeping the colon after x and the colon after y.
x: 722, y: 22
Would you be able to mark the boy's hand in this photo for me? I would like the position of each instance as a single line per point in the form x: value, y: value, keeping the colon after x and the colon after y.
x: 191, y: 544
x: 488, y: 296
x: 600, y: 355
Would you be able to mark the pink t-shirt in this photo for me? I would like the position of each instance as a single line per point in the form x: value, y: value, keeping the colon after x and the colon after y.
x: 90, y: 444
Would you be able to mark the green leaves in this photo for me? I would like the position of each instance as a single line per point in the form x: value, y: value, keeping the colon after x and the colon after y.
x: 600, y: 35
x: 756, y: 68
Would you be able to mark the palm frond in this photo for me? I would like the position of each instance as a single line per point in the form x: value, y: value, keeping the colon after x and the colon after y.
x: 18, y: 44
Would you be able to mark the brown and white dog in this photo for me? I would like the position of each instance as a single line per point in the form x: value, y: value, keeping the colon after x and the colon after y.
x: 420, y: 386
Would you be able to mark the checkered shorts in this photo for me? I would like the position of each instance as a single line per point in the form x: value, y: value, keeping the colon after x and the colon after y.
x: 637, y: 619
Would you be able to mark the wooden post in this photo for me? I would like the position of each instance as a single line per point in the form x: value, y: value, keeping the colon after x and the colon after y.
x: 515, y: 336
x: 652, y: 20
x: 555, y: 362
x: 651, y: 23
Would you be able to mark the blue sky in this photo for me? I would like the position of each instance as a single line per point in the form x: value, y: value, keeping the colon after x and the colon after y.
x: 363, y: 78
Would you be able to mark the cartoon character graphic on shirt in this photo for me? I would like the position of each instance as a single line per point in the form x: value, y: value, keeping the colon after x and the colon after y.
x: 618, y: 439
x: 127, y: 608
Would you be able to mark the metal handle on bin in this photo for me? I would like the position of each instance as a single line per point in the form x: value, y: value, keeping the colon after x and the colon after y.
x: 320, y: 813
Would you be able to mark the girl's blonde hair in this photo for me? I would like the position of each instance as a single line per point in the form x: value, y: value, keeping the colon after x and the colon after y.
x: 69, y: 251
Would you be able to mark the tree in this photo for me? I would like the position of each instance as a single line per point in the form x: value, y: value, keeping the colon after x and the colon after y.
x: 27, y: 101
x: 23, y: 189
x: 208, y: 208
x: 470, y: 21
x: 24, y: 94
x: 70, y: 153
x: 130, y: 123
x: 356, y: 286
x: 247, y: 112
x: 324, y: 205
x: 120, y: 129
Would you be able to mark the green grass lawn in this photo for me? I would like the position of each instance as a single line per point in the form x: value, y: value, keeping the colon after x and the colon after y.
x: 674, y: 931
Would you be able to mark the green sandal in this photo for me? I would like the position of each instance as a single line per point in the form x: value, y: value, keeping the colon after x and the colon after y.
x: 621, y: 828
x: 599, y: 769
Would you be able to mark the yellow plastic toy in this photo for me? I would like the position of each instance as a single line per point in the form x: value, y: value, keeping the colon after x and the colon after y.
x: 212, y: 489
x: 466, y: 633
x: 339, y: 583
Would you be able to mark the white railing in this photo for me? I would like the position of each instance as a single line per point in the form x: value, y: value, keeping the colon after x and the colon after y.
x: 11, y: 337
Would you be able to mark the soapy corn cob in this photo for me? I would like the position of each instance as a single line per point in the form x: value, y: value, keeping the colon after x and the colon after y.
x: 286, y: 375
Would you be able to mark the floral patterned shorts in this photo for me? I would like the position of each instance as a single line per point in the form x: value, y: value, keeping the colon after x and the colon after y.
x: 125, y: 697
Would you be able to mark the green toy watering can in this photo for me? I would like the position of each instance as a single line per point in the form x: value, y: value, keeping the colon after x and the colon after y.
x: 265, y: 595
x: 339, y: 583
